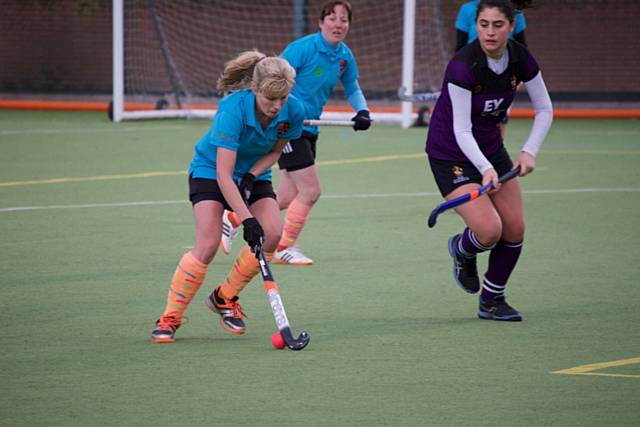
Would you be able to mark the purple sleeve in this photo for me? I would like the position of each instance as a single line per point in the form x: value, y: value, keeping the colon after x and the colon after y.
x: 459, y: 74
x: 531, y: 68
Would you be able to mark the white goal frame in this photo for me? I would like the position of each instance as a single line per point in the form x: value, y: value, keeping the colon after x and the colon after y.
x: 406, y: 117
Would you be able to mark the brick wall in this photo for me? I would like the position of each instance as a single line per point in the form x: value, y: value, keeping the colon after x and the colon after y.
x: 583, y: 46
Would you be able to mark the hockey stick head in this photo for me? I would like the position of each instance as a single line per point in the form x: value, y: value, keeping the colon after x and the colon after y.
x: 295, y: 343
x: 432, y: 218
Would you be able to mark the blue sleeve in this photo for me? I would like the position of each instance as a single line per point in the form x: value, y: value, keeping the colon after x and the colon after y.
x: 351, y: 87
x: 357, y: 99
x: 521, y: 24
x: 226, y: 130
x: 466, y: 17
x: 293, y: 56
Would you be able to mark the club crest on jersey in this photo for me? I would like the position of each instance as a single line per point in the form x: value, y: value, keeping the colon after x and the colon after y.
x: 477, y: 89
x: 283, y: 127
x: 514, y: 82
x: 343, y: 66
x: 459, y: 175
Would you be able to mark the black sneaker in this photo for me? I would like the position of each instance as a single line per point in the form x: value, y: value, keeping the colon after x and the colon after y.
x: 498, y: 309
x: 465, y: 271
x: 165, y: 330
x: 230, y: 312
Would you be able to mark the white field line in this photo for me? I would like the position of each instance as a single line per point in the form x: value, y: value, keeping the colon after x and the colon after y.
x: 324, y: 197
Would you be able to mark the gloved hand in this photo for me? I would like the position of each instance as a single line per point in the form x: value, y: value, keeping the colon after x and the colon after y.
x: 245, y: 185
x: 362, y: 120
x: 253, y: 234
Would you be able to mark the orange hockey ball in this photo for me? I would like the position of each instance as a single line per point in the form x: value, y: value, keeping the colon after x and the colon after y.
x: 277, y: 341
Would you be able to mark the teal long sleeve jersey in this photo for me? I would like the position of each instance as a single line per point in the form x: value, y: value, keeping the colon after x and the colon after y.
x: 318, y: 67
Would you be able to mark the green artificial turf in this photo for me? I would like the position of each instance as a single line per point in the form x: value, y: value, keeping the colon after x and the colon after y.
x: 86, y: 267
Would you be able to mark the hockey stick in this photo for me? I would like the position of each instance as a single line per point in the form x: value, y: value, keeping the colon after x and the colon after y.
x: 275, y: 300
x: 348, y: 123
x: 450, y: 204
x: 277, y: 307
x: 417, y: 97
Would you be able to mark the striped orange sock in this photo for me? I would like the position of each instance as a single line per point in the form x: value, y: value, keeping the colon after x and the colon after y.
x: 296, y: 217
x: 244, y: 268
x: 186, y: 281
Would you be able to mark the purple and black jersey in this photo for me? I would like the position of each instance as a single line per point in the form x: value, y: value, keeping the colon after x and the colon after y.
x: 492, y: 94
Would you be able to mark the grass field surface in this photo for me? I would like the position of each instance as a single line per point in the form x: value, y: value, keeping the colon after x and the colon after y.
x: 94, y: 218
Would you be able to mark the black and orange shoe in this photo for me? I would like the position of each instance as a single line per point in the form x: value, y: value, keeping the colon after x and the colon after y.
x: 230, y: 312
x: 166, y: 328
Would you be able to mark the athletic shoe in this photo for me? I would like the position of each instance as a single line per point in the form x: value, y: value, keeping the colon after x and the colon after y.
x: 292, y: 256
x: 465, y: 271
x: 228, y: 233
x: 498, y: 309
x: 230, y: 312
x: 165, y: 330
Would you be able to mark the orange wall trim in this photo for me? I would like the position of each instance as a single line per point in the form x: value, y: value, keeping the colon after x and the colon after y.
x: 516, y: 113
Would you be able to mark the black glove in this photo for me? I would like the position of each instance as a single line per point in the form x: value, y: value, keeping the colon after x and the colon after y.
x: 362, y: 120
x: 253, y: 234
x: 245, y: 185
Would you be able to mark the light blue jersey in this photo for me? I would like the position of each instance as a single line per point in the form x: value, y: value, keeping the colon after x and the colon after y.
x: 466, y: 21
x: 235, y: 127
x: 318, y: 67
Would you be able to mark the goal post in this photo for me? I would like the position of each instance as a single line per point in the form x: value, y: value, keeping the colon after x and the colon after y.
x: 167, y: 55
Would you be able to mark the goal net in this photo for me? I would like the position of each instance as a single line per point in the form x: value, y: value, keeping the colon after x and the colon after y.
x: 169, y: 54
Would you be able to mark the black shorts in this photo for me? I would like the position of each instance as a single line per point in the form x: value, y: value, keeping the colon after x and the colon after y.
x: 207, y: 189
x: 451, y: 174
x: 299, y: 153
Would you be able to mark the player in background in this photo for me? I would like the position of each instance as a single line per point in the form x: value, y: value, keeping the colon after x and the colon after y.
x: 232, y: 163
x: 466, y: 23
x: 466, y: 30
x: 465, y: 149
x: 320, y: 60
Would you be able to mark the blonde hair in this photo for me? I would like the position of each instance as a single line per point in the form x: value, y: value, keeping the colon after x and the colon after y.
x: 273, y: 77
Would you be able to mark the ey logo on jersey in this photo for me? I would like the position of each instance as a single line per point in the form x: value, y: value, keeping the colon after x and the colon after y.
x: 492, y: 106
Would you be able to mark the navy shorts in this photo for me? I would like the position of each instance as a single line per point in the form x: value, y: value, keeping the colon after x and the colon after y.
x: 207, y: 189
x: 299, y: 153
x: 451, y: 174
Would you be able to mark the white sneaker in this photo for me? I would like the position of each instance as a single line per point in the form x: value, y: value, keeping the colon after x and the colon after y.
x: 292, y: 256
x: 228, y: 233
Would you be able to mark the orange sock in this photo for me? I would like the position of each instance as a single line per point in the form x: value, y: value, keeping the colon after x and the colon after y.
x: 244, y: 268
x: 295, y: 219
x: 233, y: 218
x: 186, y: 281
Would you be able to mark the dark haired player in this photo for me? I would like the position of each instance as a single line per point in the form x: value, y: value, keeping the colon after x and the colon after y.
x: 465, y: 149
x: 466, y: 23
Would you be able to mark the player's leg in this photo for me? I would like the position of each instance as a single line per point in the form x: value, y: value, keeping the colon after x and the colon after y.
x: 192, y: 268
x: 482, y: 231
x: 504, y: 256
x: 455, y: 178
x: 308, y: 184
x: 287, y: 190
x: 224, y: 299
x: 298, y: 192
